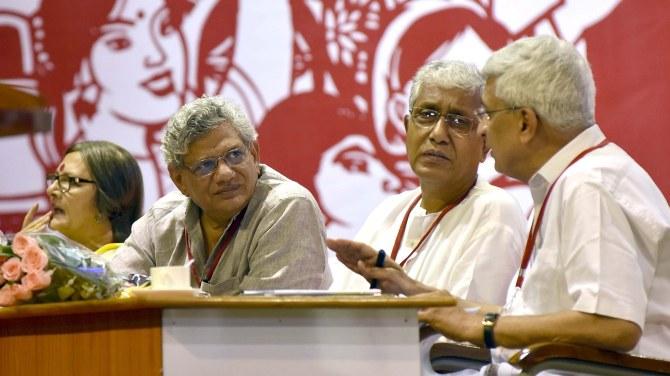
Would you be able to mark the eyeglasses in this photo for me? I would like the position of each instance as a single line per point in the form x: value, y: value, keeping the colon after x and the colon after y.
x: 65, y: 182
x: 484, y: 115
x: 207, y: 166
x: 427, y: 118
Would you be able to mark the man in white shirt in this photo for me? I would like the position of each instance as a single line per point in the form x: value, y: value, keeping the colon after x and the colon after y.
x: 454, y: 232
x: 598, y: 254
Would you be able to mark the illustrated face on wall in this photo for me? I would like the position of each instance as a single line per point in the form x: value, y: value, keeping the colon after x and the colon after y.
x: 350, y: 172
x: 141, y: 41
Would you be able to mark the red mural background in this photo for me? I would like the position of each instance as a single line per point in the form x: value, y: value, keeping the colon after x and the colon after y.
x: 325, y: 82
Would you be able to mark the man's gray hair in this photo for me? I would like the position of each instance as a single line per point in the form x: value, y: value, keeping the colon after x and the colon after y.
x: 447, y: 74
x: 549, y: 75
x: 196, y: 119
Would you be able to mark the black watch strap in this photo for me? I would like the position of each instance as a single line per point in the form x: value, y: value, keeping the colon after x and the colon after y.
x: 488, y: 323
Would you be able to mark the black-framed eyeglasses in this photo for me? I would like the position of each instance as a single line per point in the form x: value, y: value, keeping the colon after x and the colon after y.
x: 484, y: 115
x: 65, y: 182
x: 207, y: 166
x: 427, y: 118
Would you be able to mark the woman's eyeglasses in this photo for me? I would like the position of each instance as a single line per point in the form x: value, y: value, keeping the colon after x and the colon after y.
x: 65, y: 182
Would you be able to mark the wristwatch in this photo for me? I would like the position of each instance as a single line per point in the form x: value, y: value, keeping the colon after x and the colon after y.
x: 489, y: 321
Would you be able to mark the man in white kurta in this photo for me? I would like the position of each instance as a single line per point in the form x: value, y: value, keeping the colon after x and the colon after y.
x: 455, y: 231
x: 473, y: 252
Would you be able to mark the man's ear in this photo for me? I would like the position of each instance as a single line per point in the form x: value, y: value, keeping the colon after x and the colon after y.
x: 405, y: 121
x: 255, y: 151
x: 177, y: 176
x: 529, y: 124
x: 485, y: 149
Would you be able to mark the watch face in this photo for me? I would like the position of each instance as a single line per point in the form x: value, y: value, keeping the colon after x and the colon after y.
x: 491, y: 317
x: 488, y: 323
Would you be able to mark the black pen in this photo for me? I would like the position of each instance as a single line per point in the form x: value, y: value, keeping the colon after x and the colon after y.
x: 379, y: 263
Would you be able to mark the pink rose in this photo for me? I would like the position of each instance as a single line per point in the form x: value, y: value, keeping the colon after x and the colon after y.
x: 34, y: 259
x: 2, y: 280
x: 21, y: 292
x: 37, y: 280
x: 7, y: 297
x: 21, y: 243
x: 11, y: 269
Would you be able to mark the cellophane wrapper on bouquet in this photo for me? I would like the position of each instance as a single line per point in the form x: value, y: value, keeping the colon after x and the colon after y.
x: 46, y: 266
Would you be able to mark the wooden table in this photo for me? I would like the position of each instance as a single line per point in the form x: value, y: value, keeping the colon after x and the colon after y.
x: 174, y: 335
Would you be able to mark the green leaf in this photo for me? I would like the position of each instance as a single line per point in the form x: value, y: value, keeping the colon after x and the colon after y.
x: 6, y: 251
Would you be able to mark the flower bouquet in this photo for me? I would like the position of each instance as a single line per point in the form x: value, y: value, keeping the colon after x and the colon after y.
x: 48, y: 267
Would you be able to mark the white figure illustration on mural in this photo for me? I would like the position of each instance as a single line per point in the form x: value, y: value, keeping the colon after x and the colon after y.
x: 115, y: 70
x: 326, y: 122
x: 127, y: 83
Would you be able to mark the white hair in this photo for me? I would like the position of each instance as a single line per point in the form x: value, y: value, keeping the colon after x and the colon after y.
x: 448, y: 74
x: 549, y: 75
x: 196, y: 119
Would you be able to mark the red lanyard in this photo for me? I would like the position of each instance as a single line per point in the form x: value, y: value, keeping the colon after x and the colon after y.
x: 535, y: 227
x: 214, y: 257
x: 403, y: 225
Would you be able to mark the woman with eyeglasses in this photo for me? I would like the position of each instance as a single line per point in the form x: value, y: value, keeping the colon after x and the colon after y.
x: 96, y: 194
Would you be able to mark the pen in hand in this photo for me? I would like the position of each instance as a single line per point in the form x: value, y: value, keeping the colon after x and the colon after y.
x: 381, y: 255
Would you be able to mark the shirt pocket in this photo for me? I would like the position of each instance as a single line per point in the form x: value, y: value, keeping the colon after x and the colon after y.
x: 544, y: 284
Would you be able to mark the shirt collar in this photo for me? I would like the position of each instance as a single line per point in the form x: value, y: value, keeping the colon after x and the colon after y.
x: 192, y: 216
x: 539, y: 183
